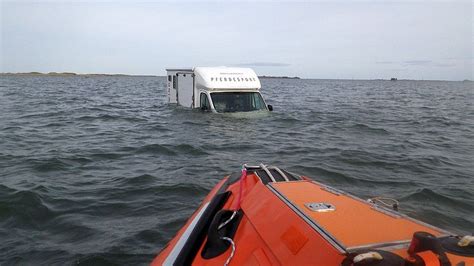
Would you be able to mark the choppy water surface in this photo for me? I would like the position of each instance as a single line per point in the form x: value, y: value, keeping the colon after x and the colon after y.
x: 102, y: 170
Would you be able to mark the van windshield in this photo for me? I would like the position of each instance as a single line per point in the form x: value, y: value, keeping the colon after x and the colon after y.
x: 237, y: 101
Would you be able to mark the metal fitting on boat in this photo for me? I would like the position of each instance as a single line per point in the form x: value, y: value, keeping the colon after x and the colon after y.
x: 372, y: 255
x: 385, y: 202
x: 466, y: 241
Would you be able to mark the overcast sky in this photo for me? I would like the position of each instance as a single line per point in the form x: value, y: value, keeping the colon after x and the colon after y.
x: 343, y: 39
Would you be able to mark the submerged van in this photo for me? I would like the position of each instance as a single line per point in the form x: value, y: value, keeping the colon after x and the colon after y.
x: 216, y: 89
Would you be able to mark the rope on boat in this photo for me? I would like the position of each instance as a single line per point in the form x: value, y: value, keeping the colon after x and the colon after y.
x: 227, y: 221
x: 235, y: 208
x: 232, y: 252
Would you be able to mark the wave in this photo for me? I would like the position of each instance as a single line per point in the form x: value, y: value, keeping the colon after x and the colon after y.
x: 22, y: 208
x: 360, y: 157
x: 144, y: 179
x: 109, y: 117
x: 287, y: 120
x: 107, y: 155
x: 428, y: 195
x: 369, y: 129
x: 156, y: 149
x: 42, y: 114
x: 342, y: 178
x: 171, y: 150
x: 49, y: 165
x: 439, y: 120
x: 112, y: 259
x: 315, y: 172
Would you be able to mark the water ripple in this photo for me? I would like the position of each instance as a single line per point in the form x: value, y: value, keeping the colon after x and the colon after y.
x: 101, y: 170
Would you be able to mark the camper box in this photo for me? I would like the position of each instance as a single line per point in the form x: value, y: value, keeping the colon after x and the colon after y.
x: 215, y: 89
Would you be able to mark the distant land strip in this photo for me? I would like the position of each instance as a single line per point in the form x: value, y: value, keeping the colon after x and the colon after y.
x: 64, y: 74
x: 70, y: 74
x: 278, y: 77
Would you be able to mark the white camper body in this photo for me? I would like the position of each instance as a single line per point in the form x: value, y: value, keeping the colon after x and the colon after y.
x: 216, y: 89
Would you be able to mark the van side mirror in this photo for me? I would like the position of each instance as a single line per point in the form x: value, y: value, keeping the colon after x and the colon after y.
x: 270, y: 107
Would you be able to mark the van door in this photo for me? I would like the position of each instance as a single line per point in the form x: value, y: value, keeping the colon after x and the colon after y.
x: 204, y: 102
x: 185, y: 83
x: 172, y: 92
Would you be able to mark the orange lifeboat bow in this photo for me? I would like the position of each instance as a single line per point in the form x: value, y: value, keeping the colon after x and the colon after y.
x: 268, y: 216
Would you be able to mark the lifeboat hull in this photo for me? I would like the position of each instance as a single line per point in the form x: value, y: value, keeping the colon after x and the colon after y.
x: 267, y: 216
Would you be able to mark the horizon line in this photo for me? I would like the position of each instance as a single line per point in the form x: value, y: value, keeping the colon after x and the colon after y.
x: 71, y: 74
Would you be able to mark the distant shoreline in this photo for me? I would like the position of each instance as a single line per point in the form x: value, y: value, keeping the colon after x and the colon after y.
x: 71, y: 74
x: 278, y: 77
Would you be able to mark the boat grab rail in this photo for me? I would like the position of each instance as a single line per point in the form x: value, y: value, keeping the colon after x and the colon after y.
x: 264, y: 168
x: 267, y: 171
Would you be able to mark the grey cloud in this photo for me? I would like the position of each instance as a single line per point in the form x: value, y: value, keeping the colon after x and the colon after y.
x: 260, y: 64
x: 417, y: 62
x: 409, y: 63
x: 468, y: 58
x: 429, y: 63
x: 445, y: 65
x: 385, y: 62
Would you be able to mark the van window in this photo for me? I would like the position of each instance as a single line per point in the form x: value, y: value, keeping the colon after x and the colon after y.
x: 174, y: 82
x: 237, y: 101
x: 204, y: 102
x: 169, y: 77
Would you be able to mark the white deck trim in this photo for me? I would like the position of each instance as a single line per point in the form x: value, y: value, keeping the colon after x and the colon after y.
x: 170, y: 260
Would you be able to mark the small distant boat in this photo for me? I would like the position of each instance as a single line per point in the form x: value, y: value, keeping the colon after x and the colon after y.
x: 268, y: 216
x: 393, y: 79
